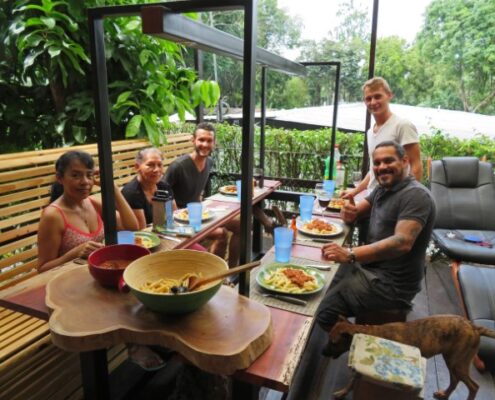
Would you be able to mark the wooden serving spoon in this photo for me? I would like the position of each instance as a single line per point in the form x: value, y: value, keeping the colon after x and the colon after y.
x: 195, y: 282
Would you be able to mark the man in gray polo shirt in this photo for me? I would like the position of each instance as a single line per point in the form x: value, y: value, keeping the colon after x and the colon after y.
x: 386, y: 272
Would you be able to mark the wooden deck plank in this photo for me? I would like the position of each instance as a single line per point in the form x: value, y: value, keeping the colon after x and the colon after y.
x: 317, y: 381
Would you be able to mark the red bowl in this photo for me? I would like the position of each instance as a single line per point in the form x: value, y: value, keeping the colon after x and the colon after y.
x: 111, y: 277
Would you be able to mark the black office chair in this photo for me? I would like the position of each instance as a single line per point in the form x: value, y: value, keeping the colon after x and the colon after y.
x: 464, y: 193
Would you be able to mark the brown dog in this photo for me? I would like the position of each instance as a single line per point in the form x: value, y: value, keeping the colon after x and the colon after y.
x: 456, y: 338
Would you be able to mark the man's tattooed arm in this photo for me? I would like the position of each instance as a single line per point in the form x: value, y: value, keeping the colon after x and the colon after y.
x: 401, y: 242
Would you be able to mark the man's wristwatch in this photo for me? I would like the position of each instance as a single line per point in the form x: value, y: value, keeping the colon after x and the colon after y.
x: 352, y: 256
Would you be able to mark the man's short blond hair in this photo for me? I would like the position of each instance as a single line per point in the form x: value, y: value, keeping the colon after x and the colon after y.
x: 376, y: 83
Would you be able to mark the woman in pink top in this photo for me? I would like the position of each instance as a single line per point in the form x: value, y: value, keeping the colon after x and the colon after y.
x: 71, y: 226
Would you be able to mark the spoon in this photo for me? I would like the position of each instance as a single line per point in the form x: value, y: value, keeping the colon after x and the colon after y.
x: 195, y: 282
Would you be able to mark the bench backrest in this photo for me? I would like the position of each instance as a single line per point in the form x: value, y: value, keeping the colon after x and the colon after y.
x: 25, y: 181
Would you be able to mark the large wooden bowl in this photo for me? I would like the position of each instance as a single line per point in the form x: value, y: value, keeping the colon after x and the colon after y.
x: 174, y: 264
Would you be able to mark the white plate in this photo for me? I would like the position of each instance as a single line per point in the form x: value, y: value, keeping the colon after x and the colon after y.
x: 224, y: 191
x: 301, y: 228
x: 183, y: 216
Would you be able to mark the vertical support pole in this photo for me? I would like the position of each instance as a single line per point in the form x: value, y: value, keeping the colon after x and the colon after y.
x: 257, y: 230
x: 263, y: 118
x: 94, y: 372
x: 247, y: 138
x: 371, y: 73
x: 198, y: 64
x: 334, y: 119
x: 100, y: 93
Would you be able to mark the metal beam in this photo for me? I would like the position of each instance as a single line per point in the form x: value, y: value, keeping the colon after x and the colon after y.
x: 102, y: 114
x: 159, y: 21
x: 248, y: 94
x: 335, y: 64
x: 371, y: 74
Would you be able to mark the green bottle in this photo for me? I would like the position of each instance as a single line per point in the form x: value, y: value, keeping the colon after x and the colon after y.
x: 327, y: 168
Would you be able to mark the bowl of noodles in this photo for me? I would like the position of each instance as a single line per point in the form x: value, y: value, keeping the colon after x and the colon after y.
x: 107, y: 264
x: 154, y: 279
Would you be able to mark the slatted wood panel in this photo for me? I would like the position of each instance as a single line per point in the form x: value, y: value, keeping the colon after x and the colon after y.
x: 30, y: 366
x: 25, y: 180
x: 39, y: 370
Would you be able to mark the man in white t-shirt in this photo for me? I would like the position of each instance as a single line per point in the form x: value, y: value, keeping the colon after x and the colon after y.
x: 388, y: 126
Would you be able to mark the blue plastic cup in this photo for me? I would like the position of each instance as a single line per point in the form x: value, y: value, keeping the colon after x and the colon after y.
x: 125, y: 237
x: 283, y: 243
x: 329, y: 187
x: 306, y: 207
x: 238, y: 186
x: 195, y: 211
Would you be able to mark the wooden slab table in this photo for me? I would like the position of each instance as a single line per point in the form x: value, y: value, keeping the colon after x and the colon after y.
x: 273, y: 369
x: 231, y: 209
x: 225, y: 335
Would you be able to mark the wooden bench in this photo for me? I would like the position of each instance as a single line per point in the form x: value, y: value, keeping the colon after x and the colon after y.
x: 30, y: 366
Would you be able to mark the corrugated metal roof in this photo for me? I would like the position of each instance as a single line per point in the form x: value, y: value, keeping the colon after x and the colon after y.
x: 352, y: 116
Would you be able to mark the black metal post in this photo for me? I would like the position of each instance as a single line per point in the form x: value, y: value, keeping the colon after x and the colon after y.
x: 371, y: 73
x: 248, y: 90
x: 100, y: 93
x: 94, y: 374
x: 198, y: 64
x: 336, y: 64
x: 263, y: 121
x: 257, y: 230
x: 334, y: 119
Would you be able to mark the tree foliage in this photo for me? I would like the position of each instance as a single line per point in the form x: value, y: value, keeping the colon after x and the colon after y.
x: 300, y: 154
x: 348, y: 43
x: 276, y: 31
x: 45, y: 72
x: 458, y: 43
x: 450, y: 65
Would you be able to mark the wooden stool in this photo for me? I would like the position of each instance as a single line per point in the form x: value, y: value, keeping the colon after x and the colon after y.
x: 386, y: 370
x: 376, y: 317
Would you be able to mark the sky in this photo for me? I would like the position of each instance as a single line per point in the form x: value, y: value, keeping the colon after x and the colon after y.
x: 396, y: 17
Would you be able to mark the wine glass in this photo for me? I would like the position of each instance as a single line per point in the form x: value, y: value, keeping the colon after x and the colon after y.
x: 356, y: 178
x: 258, y: 175
x: 322, y: 196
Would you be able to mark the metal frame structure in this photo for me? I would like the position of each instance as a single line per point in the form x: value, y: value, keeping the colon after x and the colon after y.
x: 371, y: 73
x: 163, y: 19
x: 191, y: 33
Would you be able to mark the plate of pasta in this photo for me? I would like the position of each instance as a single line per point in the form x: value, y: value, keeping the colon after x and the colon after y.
x: 291, y: 279
x: 228, y: 190
x: 319, y: 227
x: 182, y: 215
x: 336, y: 204
x: 147, y: 240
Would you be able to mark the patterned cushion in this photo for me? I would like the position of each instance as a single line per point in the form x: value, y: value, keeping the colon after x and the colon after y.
x: 387, y: 363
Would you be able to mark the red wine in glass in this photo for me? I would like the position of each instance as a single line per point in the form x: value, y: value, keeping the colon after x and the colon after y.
x: 323, y: 202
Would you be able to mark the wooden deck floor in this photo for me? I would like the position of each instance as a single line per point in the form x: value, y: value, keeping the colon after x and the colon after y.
x: 318, y: 377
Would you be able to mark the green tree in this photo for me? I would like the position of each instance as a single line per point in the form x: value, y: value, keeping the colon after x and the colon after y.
x: 276, y: 31
x: 45, y: 69
x: 403, y: 68
x: 295, y: 93
x: 348, y: 43
x: 458, y: 42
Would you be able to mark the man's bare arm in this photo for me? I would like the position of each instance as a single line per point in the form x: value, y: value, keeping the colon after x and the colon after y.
x: 363, y: 185
x: 401, y: 242
x: 413, y: 152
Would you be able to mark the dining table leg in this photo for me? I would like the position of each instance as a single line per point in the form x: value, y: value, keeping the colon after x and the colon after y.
x: 94, y: 371
x: 244, y: 390
x: 257, y: 238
